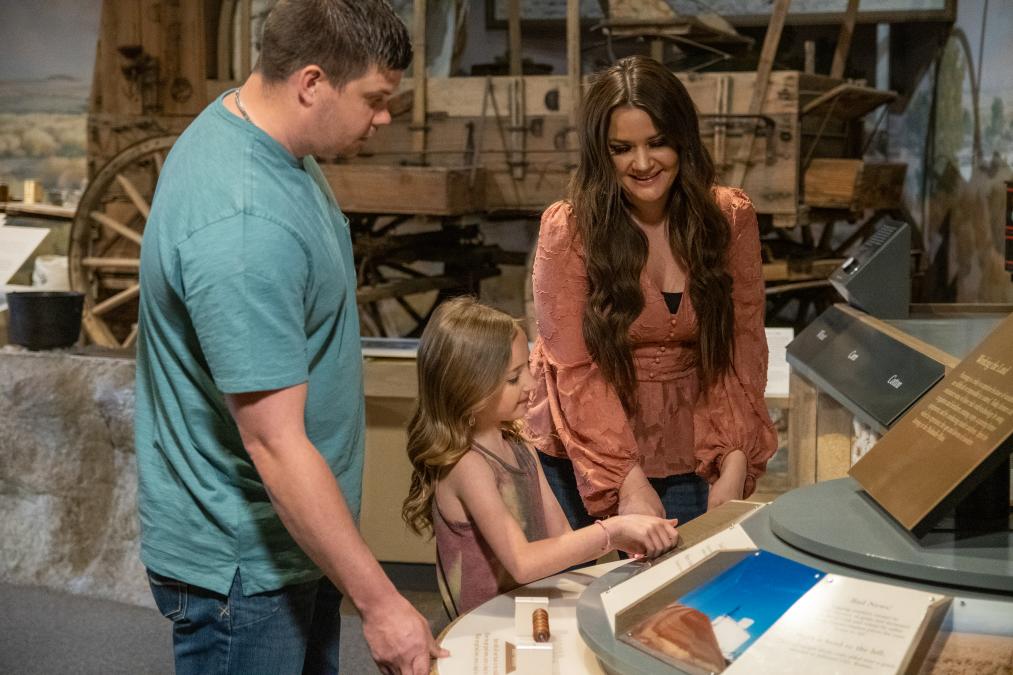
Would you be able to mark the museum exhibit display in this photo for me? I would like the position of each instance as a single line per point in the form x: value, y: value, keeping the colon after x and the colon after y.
x: 465, y: 150
x: 921, y: 528
x: 874, y: 140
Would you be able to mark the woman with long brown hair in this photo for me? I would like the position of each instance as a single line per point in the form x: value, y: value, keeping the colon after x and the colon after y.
x: 651, y: 357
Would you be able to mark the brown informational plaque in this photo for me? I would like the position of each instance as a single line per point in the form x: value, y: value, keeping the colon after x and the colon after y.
x: 956, y: 436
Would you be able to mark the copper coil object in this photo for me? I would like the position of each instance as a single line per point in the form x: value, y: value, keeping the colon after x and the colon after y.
x: 540, y: 625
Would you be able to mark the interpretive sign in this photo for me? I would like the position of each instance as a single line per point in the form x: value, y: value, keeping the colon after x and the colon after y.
x: 871, y: 373
x: 757, y: 612
x: 954, y: 438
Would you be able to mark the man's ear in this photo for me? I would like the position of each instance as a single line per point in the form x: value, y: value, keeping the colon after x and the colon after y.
x: 307, y: 81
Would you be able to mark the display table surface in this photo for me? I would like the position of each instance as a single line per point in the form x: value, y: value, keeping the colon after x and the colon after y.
x: 618, y: 657
x: 837, y: 521
x: 476, y: 640
x: 585, y: 643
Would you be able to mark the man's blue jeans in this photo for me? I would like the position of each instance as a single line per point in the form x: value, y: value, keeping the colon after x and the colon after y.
x: 295, y: 629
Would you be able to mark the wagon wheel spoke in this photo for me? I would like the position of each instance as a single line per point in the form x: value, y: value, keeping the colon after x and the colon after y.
x: 404, y: 269
x: 115, y: 301
x: 373, y: 308
x: 131, y: 337
x: 409, y: 310
x: 396, y: 222
x: 139, y: 202
x: 106, y: 236
x: 116, y: 226
x: 112, y: 263
x: 98, y: 331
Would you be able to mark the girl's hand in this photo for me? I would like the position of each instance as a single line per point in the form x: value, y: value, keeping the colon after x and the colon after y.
x: 643, y: 535
x: 730, y: 483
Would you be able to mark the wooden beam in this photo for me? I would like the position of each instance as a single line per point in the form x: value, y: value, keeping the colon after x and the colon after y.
x: 844, y: 40
x: 809, y: 47
x: 419, y: 80
x: 802, y: 431
x: 573, y: 56
x: 763, y: 70
x: 514, y: 33
x: 115, y: 301
x: 245, y: 41
x: 226, y: 17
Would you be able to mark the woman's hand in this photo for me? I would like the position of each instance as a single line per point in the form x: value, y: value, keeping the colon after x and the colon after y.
x: 642, y: 535
x: 730, y: 483
x: 637, y: 495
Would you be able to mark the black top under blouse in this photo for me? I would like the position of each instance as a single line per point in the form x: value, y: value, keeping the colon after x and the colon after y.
x: 672, y: 300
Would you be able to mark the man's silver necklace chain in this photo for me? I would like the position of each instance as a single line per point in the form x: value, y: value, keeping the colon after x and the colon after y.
x: 242, y: 109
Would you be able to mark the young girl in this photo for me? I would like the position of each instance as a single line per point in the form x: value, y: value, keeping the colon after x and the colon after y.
x: 476, y: 483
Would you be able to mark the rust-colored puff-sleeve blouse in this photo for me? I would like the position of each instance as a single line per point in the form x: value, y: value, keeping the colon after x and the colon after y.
x: 677, y: 429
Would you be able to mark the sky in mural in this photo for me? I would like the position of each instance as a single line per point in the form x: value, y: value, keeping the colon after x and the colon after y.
x: 43, y: 39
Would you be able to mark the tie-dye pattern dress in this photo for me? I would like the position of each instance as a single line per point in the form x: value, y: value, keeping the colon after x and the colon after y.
x: 467, y: 570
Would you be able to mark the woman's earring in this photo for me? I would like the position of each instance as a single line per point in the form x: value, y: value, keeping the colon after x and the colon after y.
x: 471, y: 420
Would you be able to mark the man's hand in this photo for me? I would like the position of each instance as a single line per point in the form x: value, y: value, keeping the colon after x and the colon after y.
x: 637, y: 496
x: 730, y: 483
x: 399, y: 638
x: 309, y: 502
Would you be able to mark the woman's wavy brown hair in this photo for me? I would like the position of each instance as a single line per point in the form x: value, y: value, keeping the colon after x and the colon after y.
x: 616, y: 249
x: 463, y: 357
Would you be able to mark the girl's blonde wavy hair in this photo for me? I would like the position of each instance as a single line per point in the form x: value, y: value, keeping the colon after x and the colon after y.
x: 463, y: 357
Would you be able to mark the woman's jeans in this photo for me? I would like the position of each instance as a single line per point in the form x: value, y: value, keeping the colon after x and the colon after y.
x: 683, y: 496
x: 295, y: 629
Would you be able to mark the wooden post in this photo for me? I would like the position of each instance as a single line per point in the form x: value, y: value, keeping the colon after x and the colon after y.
x: 802, y: 412
x: 514, y: 35
x: 573, y: 57
x: 223, y: 60
x: 810, y: 57
x: 720, y: 124
x: 763, y: 69
x: 844, y: 40
x: 658, y: 50
x: 245, y: 40
x: 419, y: 81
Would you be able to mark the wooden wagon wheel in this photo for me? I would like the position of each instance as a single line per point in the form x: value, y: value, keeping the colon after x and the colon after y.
x: 396, y: 293
x: 105, y: 240
x: 405, y: 268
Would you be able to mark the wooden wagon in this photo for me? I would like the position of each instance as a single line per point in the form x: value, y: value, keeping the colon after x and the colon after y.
x: 460, y: 150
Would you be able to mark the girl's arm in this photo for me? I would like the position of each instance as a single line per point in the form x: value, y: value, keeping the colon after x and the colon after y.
x: 472, y: 485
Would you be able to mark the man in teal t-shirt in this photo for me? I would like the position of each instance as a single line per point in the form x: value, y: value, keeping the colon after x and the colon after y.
x: 250, y: 412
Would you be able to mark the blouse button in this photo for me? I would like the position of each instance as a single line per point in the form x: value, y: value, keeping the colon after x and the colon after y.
x: 650, y: 375
x: 662, y: 350
x: 657, y: 360
x: 672, y: 321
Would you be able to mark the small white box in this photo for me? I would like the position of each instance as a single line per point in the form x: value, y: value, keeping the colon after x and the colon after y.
x: 534, y: 658
x: 523, y: 609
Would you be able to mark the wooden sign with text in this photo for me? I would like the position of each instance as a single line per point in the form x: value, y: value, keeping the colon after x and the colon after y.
x: 952, y: 439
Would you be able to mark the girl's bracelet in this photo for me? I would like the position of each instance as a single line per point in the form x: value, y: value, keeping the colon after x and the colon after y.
x: 608, y: 536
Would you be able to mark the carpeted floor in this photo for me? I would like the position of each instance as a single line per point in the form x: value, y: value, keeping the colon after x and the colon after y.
x: 45, y: 632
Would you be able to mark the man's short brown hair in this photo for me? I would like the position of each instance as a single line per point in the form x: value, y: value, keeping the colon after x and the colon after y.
x: 343, y: 37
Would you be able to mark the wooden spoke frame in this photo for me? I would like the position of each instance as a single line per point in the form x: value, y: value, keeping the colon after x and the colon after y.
x: 105, y: 241
x: 405, y: 268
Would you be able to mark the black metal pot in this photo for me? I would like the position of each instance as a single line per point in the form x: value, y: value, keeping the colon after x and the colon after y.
x: 44, y: 319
